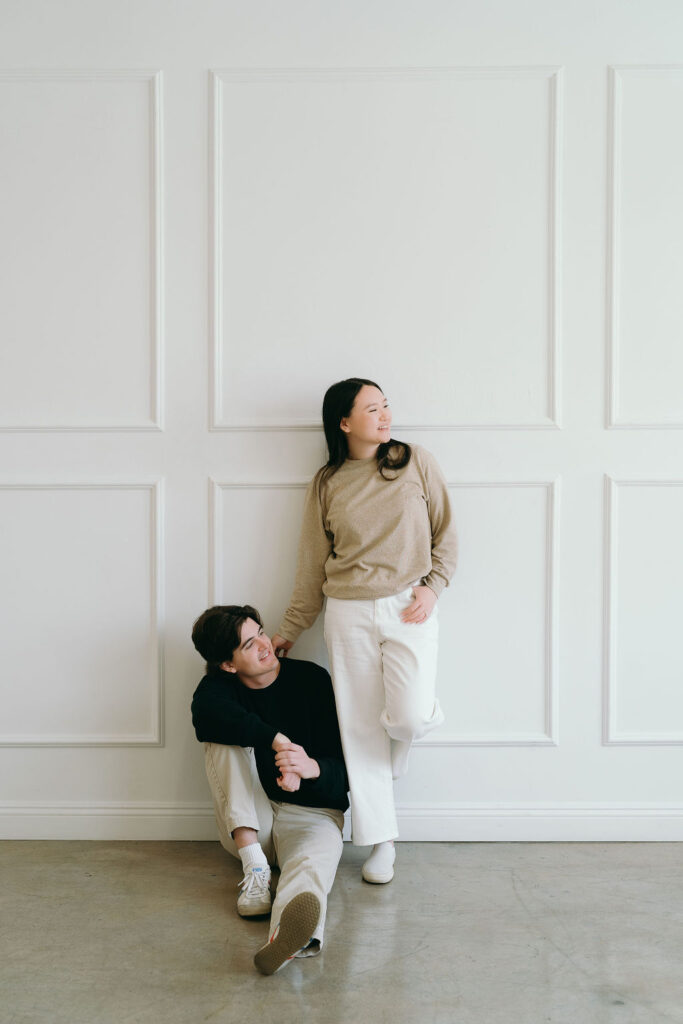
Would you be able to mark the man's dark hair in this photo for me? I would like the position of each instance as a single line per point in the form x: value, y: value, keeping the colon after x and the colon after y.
x: 216, y: 633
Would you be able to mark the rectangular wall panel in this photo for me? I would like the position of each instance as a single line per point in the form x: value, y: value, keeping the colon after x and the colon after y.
x: 497, y: 663
x: 255, y: 538
x: 80, y: 614
x: 644, y: 605
x: 496, y: 677
x: 647, y: 247
x: 378, y: 215
x: 80, y: 250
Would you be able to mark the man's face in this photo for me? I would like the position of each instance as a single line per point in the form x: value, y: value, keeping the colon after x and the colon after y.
x: 254, y: 660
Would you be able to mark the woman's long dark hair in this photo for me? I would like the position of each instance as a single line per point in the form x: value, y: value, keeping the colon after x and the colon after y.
x: 338, y: 402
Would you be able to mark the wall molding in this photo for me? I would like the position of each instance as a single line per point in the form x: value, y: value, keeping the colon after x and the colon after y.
x: 155, y: 738
x: 216, y: 489
x: 550, y: 736
x: 612, y: 355
x: 611, y: 736
x: 220, y: 78
x: 157, y: 298
x: 435, y: 822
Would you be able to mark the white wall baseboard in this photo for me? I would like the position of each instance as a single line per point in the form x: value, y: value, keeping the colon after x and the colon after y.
x: 471, y: 823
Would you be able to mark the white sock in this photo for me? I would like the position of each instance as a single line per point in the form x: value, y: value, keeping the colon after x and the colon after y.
x: 252, y: 856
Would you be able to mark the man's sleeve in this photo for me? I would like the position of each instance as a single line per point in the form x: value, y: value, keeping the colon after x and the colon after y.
x: 219, y: 718
x: 332, y: 781
x: 326, y: 747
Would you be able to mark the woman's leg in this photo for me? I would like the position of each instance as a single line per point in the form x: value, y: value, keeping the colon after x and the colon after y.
x: 356, y: 667
x: 409, y: 663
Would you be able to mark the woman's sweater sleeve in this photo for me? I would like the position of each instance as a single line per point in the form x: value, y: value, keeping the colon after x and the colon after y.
x: 315, y: 547
x: 444, y: 535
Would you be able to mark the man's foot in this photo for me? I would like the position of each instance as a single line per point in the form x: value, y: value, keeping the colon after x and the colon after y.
x: 255, y: 898
x: 298, y: 922
x: 379, y: 867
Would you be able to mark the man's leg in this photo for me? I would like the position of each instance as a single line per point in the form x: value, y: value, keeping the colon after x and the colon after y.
x: 308, y: 841
x: 244, y: 818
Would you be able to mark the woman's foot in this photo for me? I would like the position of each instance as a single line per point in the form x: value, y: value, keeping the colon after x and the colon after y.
x: 379, y: 867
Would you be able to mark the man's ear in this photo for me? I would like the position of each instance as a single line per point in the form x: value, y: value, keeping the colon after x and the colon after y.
x: 227, y: 666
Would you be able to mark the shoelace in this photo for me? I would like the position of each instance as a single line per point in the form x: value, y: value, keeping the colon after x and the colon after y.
x: 254, y: 880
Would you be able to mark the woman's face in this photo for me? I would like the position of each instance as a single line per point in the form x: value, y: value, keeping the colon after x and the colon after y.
x: 370, y: 419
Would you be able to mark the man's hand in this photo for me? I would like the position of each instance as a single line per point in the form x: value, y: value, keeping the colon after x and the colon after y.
x: 280, y: 645
x: 281, y: 742
x: 289, y: 781
x: 421, y: 608
x: 295, y: 759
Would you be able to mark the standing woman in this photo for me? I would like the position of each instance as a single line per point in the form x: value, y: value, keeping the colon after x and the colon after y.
x: 378, y: 539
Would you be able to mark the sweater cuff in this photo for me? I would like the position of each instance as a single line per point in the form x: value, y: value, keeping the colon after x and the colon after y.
x: 436, y: 583
x: 266, y: 735
x: 288, y: 631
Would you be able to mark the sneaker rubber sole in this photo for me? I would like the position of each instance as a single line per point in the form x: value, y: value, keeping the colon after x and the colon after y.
x: 259, y: 909
x: 298, y: 922
x: 375, y: 878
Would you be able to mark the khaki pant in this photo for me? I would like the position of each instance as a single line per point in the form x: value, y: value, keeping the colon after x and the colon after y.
x: 305, y: 842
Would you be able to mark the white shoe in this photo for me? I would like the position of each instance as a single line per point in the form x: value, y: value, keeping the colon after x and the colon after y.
x: 379, y: 867
x: 255, y: 896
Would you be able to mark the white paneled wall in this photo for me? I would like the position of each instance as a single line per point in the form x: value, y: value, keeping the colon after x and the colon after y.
x: 80, y: 206
x: 647, y: 246
x: 209, y: 213
x: 337, y: 221
x: 81, y: 562
x: 644, y: 699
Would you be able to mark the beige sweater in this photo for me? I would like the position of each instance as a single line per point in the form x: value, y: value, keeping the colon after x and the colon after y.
x: 372, y: 537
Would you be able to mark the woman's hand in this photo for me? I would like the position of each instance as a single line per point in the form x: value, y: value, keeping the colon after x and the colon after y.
x: 421, y: 608
x: 280, y: 645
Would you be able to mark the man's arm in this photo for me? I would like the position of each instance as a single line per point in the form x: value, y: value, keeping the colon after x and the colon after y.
x: 325, y: 774
x: 286, y: 780
x: 326, y: 745
x: 293, y: 758
x: 218, y: 717
x: 325, y: 771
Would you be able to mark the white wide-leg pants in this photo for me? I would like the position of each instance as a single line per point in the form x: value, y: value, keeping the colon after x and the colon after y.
x: 305, y: 842
x: 384, y: 677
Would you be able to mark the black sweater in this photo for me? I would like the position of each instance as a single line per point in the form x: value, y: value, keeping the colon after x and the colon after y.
x: 300, y: 704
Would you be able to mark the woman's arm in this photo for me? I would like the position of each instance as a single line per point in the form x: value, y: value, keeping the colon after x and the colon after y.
x: 442, y: 523
x: 315, y: 547
x: 444, y: 542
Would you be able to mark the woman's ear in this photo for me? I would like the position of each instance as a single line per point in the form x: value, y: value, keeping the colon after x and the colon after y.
x: 344, y: 425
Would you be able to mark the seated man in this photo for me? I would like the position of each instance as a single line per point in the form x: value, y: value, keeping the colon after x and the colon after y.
x: 250, y: 699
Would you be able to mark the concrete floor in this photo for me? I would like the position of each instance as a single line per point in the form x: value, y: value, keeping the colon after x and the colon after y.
x: 144, y: 933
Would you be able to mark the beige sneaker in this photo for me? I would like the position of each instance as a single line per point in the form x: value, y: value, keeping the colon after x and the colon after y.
x: 255, y: 898
x: 298, y: 922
